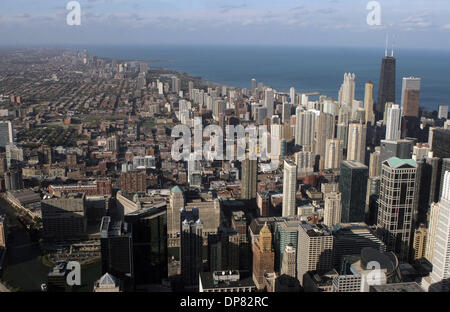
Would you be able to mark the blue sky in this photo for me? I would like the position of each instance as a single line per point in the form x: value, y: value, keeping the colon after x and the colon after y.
x: 415, y: 23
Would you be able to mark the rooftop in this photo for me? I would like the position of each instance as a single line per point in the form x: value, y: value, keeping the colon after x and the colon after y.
x: 314, y: 230
x: 354, y: 164
x: 108, y: 280
x: 213, y: 280
x: 177, y: 189
x: 25, y: 196
x: 399, y: 287
x: 395, y: 162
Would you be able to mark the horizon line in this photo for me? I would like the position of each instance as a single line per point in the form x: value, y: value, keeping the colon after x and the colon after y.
x: 243, y: 45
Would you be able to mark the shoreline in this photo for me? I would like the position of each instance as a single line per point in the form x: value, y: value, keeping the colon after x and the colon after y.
x: 208, y: 83
x: 431, y: 105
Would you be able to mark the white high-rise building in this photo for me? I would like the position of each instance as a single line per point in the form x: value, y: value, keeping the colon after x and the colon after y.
x: 393, y: 123
x: 443, y: 112
x: 333, y: 154
x: 305, y: 100
x: 305, y: 128
x: 305, y: 162
x: 289, y: 189
x: 347, y: 91
x: 289, y: 263
x: 324, y: 130
x: 269, y: 102
x: 331, y: 106
x: 160, y: 87
x: 314, y: 250
x: 333, y: 209
x: 441, y: 253
x: 275, y: 128
x: 292, y: 95
x: 175, y: 84
x: 356, y: 142
x: 431, y: 234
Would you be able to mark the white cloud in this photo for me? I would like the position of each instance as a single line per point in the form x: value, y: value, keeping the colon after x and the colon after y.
x: 416, y: 22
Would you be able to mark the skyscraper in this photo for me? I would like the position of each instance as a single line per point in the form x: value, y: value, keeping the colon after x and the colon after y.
x: 223, y: 250
x: 386, y: 88
x: 269, y: 102
x: 427, y: 187
x: 191, y: 250
x: 342, y: 133
x: 353, y: 187
x: 396, y: 148
x: 356, y: 147
x: 315, y: 249
x: 410, y: 107
x: 368, y: 103
x: 289, y: 189
x: 441, y: 143
x: 393, y: 123
x: 305, y: 128
x: 6, y: 133
x: 175, y: 84
x: 263, y: 256
x: 419, y: 245
x: 351, y: 239
x: 149, y: 244
x: 333, y: 154
x: 333, y: 209
x: 292, y: 95
x: 261, y: 114
x: 347, y: 91
x: 444, y: 168
x: 219, y: 107
x: 176, y: 203
x: 386, y: 108
x: 116, y: 248
x: 375, y: 163
x: 285, y: 233
x: 410, y: 96
x: 305, y: 163
x: 324, y: 131
x: 443, y: 112
x: 431, y: 233
x: 64, y: 218
x: 289, y: 264
x: 396, y: 203
x: 286, y: 112
x: 249, y: 179
x: 441, y: 249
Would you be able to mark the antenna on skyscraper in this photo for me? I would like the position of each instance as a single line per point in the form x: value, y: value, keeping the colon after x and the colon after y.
x: 387, y: 43
x: 393, y: 42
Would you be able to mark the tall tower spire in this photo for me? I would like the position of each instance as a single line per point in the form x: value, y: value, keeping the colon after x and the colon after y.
x: 387, y: 43
x: 393, y: 42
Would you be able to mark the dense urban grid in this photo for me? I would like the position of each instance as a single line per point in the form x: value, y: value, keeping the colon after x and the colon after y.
x: 360, y: 201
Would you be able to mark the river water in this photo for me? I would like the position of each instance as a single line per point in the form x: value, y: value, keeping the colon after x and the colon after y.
x: 23, y: 268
